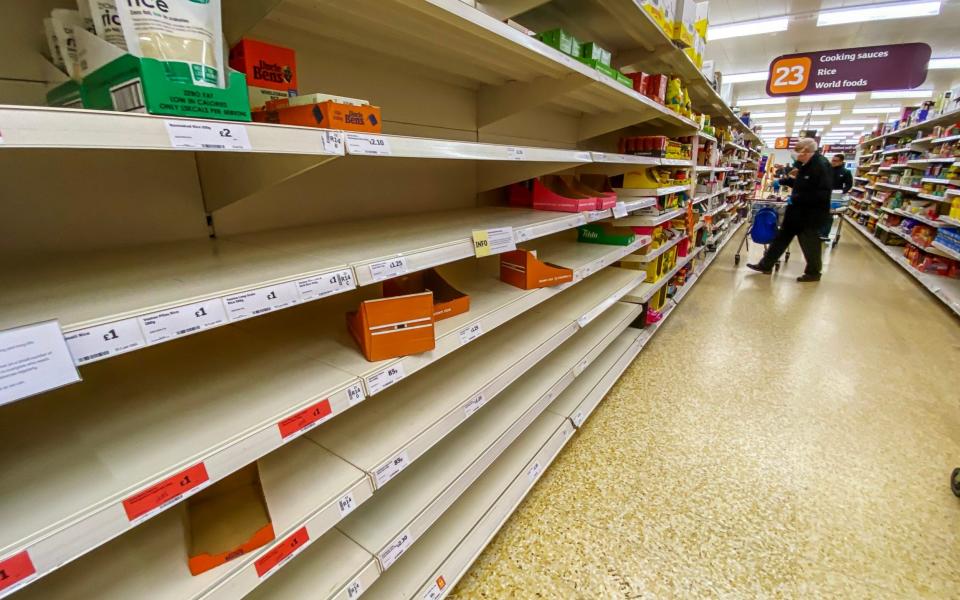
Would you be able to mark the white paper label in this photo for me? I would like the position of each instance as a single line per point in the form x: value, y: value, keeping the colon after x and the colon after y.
x: 396, y: 549
x: 385, y: 378
x: 578, y: 419
x: 580, y: 367
x: 584, y: 156
x: 387, y: 269
x: 523, y: 235
x: 435, y: 590
x: 96, y: 343
x: 493, y: 241
x: 368, y: 145
x: 346, y: 504
x: 516, y: 153
x: 620, y: 210
x: 354, y: 589
x: 391, y: 468
x: 332, y: 142
x: 534, y: 471
x: 355, y: 394
x: 596, y: 215
x: 599, y: 156
x: 263, y: 300
x: 33, y: 359
x: 183, y: 320
x: 581, y: 219
x: 470, y: 333
x: 474, y: 404
x: 200, y: 135
x: 328, y: 284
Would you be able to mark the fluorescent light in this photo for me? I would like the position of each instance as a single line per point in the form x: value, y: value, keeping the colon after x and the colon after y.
x: 872, y: 110
x: 881, y: 12
x: 901, y: 94
x: 827, y: 97
x: 858, y: 121
x: 935, y: 63
x: 760, y: 101
x: 731, y: 30
x: 812, y: 123
x: 827, y: 112
x: 773, y: 125
x: 745, y: 77
x: 768, y: 115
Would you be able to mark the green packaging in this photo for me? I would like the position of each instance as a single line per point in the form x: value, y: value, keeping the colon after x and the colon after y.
x: 599, y: 66
x: 595, y: 233
x: 561, y: 40
x: 623, y: 79
x: 65, y: 95
x: 592, y: 50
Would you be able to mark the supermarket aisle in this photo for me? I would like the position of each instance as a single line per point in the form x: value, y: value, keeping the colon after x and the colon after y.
x: 773, y: 440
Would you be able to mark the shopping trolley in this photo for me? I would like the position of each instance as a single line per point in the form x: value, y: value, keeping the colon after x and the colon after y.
x: 838, y: 206
x: 774, y: 203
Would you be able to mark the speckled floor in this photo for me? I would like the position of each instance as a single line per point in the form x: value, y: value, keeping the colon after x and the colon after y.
x: 774, y: 440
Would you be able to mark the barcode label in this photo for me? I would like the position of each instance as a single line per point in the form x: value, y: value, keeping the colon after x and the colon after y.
x: 355, y: 394
x: 534, y: 471
x: 474, y: 404
x: 620, y: 210
x: 387, y: 269
x: 332, y: 142
x: 346, y: 504
x: 391, y: 468
x: 328, y: 284
x: 354, y: 589
x: 516, y: 153
x: 396, y: 549
x: 578, y: 419
x: 470, y: 333
x: 263, y: 300
x: 584, y: 156
x: 128, y: 96
x: 94, y: 343
x: 183, y: 320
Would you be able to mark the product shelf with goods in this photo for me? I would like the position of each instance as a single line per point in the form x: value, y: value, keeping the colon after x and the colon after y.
x: 944, y: 119
x: 651, y: 255
x: 651, y: 220
x: 643, y: 292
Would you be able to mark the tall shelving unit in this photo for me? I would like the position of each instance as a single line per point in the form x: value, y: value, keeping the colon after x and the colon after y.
x: 906, y: 183
x: 416, y: 461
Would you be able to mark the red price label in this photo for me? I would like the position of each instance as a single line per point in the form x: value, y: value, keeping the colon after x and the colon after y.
x: 282, y: 552
x: 15, y: 569
x: 303, y: 419
x: 165, y: 491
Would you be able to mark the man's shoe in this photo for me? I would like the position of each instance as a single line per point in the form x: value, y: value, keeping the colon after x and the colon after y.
x: 808, y: 277
x: 759, y: 269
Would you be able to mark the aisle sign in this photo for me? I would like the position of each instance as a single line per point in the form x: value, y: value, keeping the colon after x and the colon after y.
x: 368, y: 145
x: 201, y: 135
x: 865, y: 69
x: 33, y: 359
x: 493, y: 241
x: 785, y: 143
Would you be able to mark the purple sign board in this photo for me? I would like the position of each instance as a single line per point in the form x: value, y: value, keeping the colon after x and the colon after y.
x: 867, y: 69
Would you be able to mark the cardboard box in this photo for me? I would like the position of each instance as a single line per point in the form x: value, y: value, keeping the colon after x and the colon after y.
x: 702, y: 18
x: 624, y: 80
x: 598, y: 233
x: 657, y: 88
x: 550, y: 192
x: 639, y: 81
x: 592, y: 51
x: 522, y: 269
x: 598, y: 186
x: 329, y: 115
x: 448, y: 301
x: 561, y: 40
x: 393, y: 327
x: 684, y: 21
x: 229, y: 519
x: 656, y: 10
x: 271, y: 70
x: 599, y: 66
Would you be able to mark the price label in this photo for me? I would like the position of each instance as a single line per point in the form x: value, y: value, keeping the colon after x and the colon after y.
x: 493, y: 241
x: 159, y: 496
x: 474, y: 404
x: 183, y: 320
x: 385, y: 378
x: 516, y: 153
x: 436, y: 590
x: 523, y: 235
x: 391, y: 468
x: 584, y: 156
x: 33, y: 359
x: 260, y: 301
x: 470, y: 333
x: 16, y: 572
x: 200, y: 135
x: 584, y: 320
x: 599, y: 156
x: 97, y: 343
x: 581, y: 219
x: 620, y: 210
x: 578, y: 419
x: 304, y: 420
x: 395, y: 550
x: 534, y: 471
x: 332, y: 142
x: 346, y: 504
x: 355, y: 394
x: 580, y: 367
x: 354, y: 589
x: 596, y: 215
x: 328, y: 284
x: 368, y: 145
x: 282, y: 553
x: 387, y: 269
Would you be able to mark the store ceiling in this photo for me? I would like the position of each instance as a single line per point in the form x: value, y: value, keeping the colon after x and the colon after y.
x: 754, y: 53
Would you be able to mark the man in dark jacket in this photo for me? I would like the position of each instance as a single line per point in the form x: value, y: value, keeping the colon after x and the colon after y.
x: 842, y: 179
x: 811, y: 183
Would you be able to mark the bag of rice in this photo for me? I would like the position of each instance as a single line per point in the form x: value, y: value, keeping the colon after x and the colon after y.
x: 106, y: 21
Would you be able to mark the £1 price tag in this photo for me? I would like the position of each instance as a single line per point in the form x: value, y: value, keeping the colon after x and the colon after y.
x: 281, y: 553
x: 16, y: 572
x: 100, y: 341
x: 493, y: 241
x: 183, y: 320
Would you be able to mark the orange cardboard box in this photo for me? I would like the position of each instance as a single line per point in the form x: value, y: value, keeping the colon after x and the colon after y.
x: 448, y: 301
x: 271, y: 70
x: 522, y: 268
x: 391, y: 327
x: 227, y: 520
x: 329, y: 115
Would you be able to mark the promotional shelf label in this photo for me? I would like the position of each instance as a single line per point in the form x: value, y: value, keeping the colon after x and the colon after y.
x: 328, y: 284
x: 396, y: 549
x: 198, y: 135
x: 262, y: 300
x: 470, y: 333
x: 281, y: 553
x: 33, y: 359
x: 355, y: 589
x: 387, y: 269
x: 355, y: 394
x: 157, y: 497
x: 436, y: 590
x: 304, y: 420
x: 16, y: 572
x: 391, y: 468
x: 493, y: 241
x: 385, y: 378
x: 474, y: 404
x: 101, y: 341
x: 620, y: 210
x: 346, y: 504
x: 368, y: 145
x: 183, y: 320
x: 516, y: 153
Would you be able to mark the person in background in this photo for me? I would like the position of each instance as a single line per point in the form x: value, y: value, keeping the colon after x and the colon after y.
x: 811, y: 183
x: 842, y: 180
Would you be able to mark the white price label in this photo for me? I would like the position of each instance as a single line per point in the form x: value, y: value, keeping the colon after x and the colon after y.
x: 474, y: 404
x: 436, y: 590
x: 355, y: 589
x: 346, y: 504
x: 355, y: 394
x: 470, y: 333
x: 580, y: 367
x: 395, y: 550
x: 386, y: 269
x: 391, y: 468
x: 596, y: 215
x: 584, y: 156
x: 385, y: 378
x: 581, y: 219
x: 183, y: 320
x: 263, y: 300
x: 523, y: 235
x: 328, y: 284
x: 200, y: 135
x: 368, y: 145
x: 33, y: 359
x: 332, y: 142
x: 578, y: 419
x: 599, y: 156
x: 516, y: 153
x: 493, y: 241
x: 96, y: 343
x: 534, y: 471
x: 620, y: 210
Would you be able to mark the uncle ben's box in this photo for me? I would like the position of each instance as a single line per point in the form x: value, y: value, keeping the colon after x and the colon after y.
x: 271, y: 70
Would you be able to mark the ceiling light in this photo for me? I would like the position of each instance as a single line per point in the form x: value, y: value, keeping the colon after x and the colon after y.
x: 813, y: 123
x: 937, y: 63
x: 901, y: 94
x: 760, y: 101
x: 745, y: 77
x: 827, y: 97
x: 858, y: 121
x: 827, y: 112
x: 881, y: 12
x: 871, y: 110
x: 731, y: 30
x: 768, y: 115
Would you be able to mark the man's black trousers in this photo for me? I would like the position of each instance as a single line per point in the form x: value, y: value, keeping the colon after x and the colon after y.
x: 808, y: 233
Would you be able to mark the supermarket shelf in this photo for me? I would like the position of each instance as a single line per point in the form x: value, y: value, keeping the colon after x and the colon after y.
x: 946, y: 250
x: 676, y: 162
x: 949, y: 138
x: 653, y: 253
x: 707, y: 136
x: 736, y: 146
x: 904, y: 188
x: 928, y: 161
x: 643, y: 292
x: 950, y: 221
x: 699, y: 199
x: 628, y: 159
x: 857, y: 189
x: 944, y: 288
x: 858, y: 178
x: 627, y: 193
x: 934, y: 198
x: 917, y: 217
x: 941, y: 181
x: 651, y: 220
x: 953, y: 192
x: 895, y: 151
x: 944, y: 119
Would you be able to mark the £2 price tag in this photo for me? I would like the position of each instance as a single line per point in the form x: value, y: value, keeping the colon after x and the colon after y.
x: 368, y: 145
x: 200, y: 135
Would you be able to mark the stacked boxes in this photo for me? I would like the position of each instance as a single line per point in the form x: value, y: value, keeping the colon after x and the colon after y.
x: 271, y: 70
x: 684, y: 32
x: 589, y: 53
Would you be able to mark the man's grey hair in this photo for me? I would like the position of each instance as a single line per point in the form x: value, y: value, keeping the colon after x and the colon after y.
x: 807, y: 144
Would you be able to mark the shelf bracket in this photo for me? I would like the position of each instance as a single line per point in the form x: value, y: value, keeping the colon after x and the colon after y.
x: 495, y: 103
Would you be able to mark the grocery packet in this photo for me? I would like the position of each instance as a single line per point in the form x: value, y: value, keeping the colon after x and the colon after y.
x: 106, y: 21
